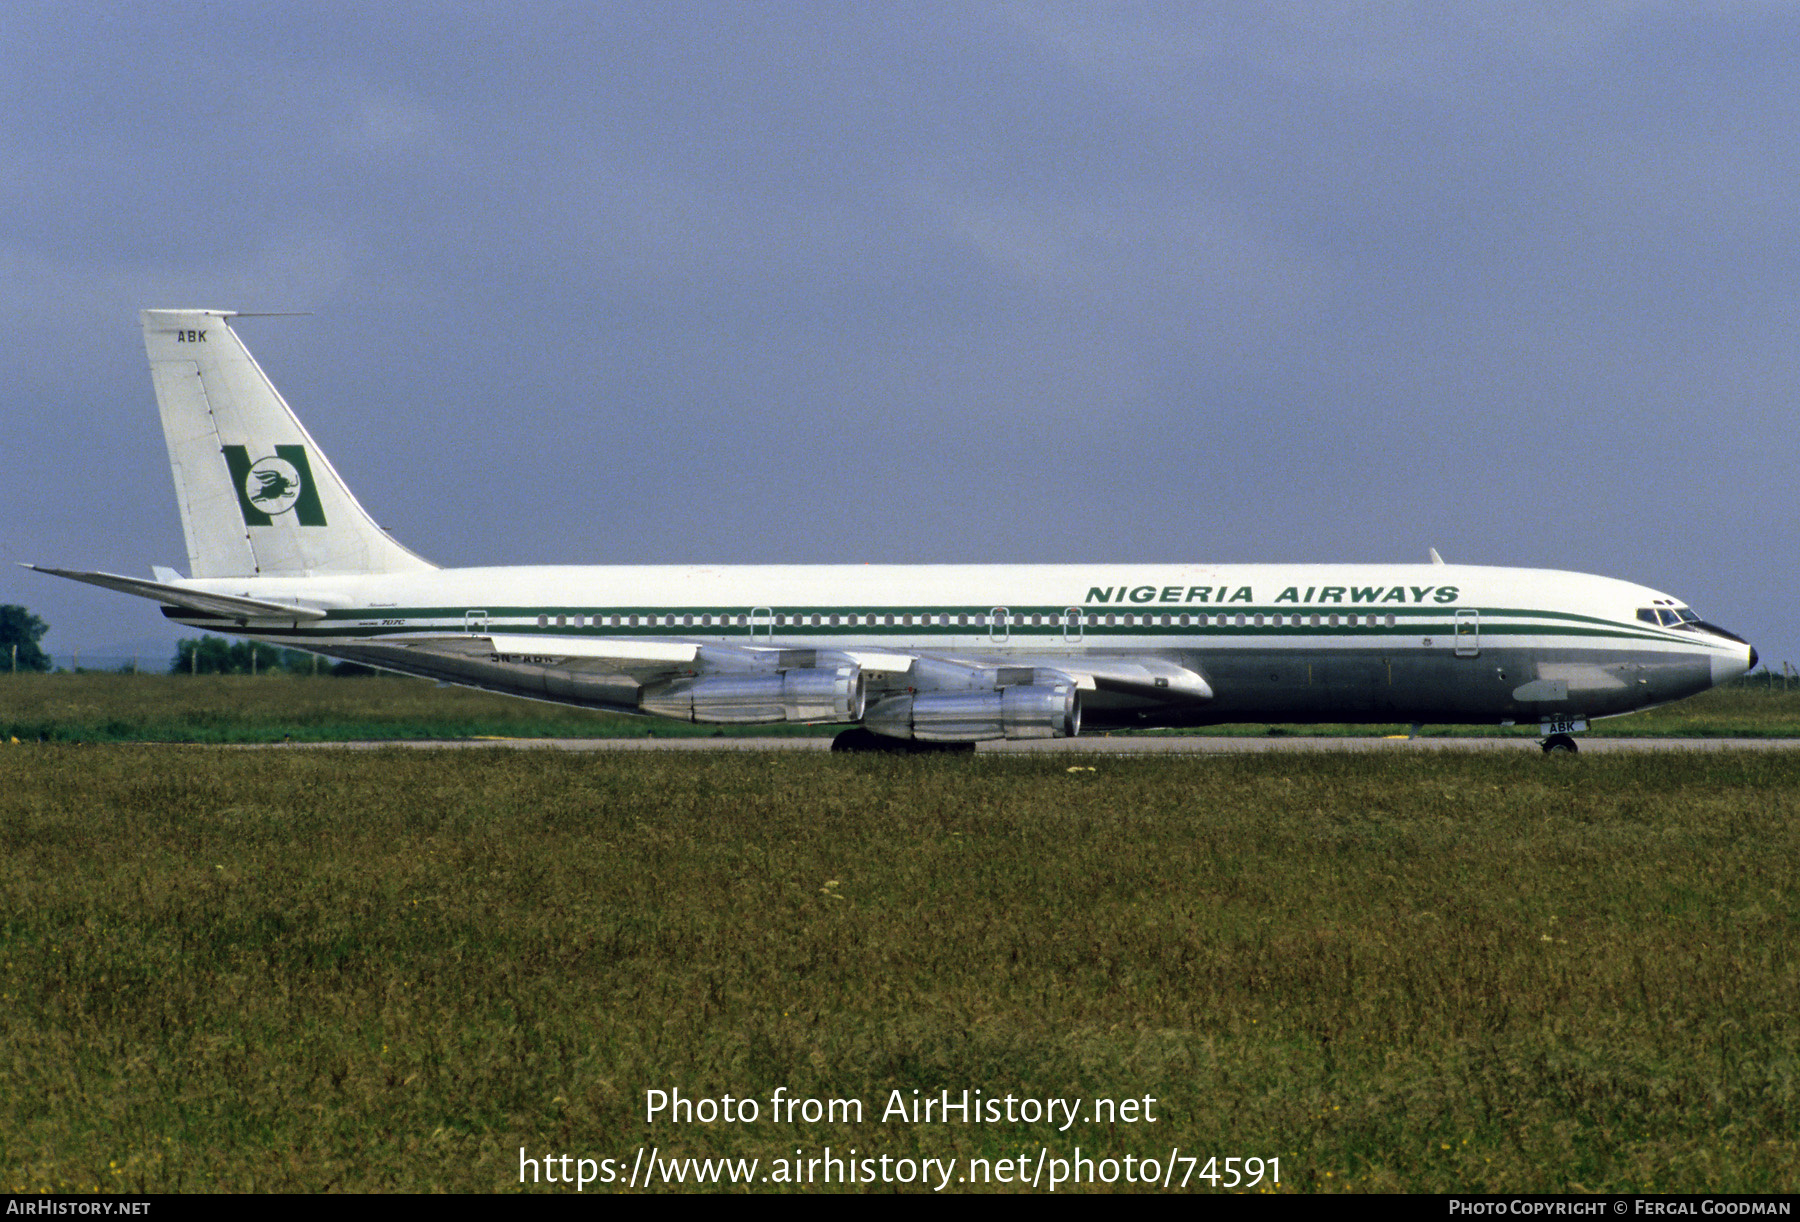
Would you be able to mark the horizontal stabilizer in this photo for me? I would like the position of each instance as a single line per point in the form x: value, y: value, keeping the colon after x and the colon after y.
x: 228, y: 605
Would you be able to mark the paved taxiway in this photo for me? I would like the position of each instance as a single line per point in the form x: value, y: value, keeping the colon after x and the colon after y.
x: 1195, y: 744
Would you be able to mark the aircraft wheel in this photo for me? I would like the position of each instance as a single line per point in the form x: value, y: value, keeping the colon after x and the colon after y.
x: 859, y: 739
x: 1560, y: 744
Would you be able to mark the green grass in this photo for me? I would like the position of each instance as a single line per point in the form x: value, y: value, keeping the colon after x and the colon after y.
x: 94, y: 708
x: 99, y: 708
x: 391, y: 970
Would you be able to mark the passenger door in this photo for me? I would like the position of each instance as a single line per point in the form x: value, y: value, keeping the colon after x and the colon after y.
x: 1468, y: 634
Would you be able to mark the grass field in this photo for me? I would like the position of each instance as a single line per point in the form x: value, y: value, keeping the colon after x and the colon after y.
x: 95, y: 708
x: 393, y: 969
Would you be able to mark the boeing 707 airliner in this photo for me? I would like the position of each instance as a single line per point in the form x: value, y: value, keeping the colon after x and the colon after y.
x: 280, y: 551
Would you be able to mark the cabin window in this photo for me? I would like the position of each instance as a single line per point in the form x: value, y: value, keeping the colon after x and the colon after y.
x: 1351, y: 620
x: 543, y: 621
x: 1390, y: 621
x: 1259, y: 621
x: 1334, y: 620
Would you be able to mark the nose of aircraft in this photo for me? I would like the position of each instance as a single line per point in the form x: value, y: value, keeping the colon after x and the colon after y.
x: 1726, y: 667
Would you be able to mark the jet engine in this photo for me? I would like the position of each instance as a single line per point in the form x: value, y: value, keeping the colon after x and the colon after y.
x: 813, y: 694
x: 1025, y: 711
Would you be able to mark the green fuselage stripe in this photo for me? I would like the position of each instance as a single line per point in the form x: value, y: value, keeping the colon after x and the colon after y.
x: 1052, y: 623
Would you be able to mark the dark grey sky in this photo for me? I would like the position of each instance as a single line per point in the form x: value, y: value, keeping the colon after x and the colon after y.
x: 1012, y: 282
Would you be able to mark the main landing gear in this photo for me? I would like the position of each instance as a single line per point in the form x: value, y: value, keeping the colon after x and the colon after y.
x: 859, y: 739
x: 1560, y: 744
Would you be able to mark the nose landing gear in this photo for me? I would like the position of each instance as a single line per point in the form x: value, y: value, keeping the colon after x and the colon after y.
x: 1560, y: 744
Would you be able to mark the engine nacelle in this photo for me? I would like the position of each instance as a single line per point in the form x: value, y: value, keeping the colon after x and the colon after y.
x: 814, y: 694
x: 1027, y: 711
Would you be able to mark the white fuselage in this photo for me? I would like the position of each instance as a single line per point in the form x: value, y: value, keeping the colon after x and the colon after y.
x: 1324, y: 642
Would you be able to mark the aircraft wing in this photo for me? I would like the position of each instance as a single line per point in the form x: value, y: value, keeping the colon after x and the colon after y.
x: 1152, y: 677
x: 602, y: 653
x: 1147, y: 678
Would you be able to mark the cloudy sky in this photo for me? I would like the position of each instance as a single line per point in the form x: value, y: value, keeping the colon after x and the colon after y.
x: 599, y: 283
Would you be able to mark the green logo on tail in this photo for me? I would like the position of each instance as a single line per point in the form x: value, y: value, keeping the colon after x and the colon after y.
x: 269, y: 487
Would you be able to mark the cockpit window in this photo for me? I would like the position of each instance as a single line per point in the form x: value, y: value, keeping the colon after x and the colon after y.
x: 1668, y: 617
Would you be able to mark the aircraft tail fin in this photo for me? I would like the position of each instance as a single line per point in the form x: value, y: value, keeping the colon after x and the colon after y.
x: 257, y: 495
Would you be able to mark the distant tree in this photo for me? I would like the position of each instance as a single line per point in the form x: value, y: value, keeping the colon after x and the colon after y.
x: 21, y: 629
x: 210, y: 655
x: 214, y: 655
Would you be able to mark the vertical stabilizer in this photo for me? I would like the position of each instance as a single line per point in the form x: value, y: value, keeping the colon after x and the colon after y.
x: 257, y: 496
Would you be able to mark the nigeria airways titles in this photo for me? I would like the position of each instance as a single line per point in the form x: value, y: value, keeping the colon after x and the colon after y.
x: 1291, y: 594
